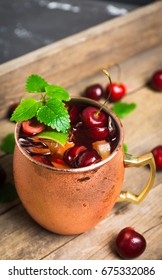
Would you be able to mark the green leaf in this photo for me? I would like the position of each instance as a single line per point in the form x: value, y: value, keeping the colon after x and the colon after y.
x: 35, y: 83
x: 26, y: 110
x: 7, y: 192
x: 61, y: 138
x: 121, y: 109
x: 57, y: 92
x: 125, y: 147
x: 8, y: 144
x: 54, y: 114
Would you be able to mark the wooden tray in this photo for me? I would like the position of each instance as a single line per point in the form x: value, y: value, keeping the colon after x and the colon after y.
x: 135, y: 42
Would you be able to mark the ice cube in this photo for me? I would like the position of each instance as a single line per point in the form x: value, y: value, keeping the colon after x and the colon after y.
x: 102, y: 147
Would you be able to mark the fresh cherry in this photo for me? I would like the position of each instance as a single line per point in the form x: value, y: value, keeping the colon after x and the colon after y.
x: 71, y: 154
x: 94, y: 92
x: 88, y: 157
x: 3, y: 176
x: 97, y: 133
x: 42, y: 159
x: 116, y: 91
x: 157, y: 153
x: 91, y: 117
x: 74, y: 113
x: 32, y: 126
x: 156, y: 80
x: 129, y: 243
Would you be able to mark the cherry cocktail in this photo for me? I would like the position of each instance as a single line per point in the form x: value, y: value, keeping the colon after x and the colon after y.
x: 92, y: 137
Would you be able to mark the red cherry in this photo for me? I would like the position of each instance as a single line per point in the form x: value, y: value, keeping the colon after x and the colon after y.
x: 71, y: 154
x: 156, y: 80
x: 129, y: 243
x: 97, y: 133
x: 88, y: 157
x: 74, y: 114
x: 117, y: 92
x: 92, y: 119
x: 157, y: 153
x: 3, y: 176
x: 32, y: 127
x: 41, y: 159
x: 58, y: 160
x: 94, y: 92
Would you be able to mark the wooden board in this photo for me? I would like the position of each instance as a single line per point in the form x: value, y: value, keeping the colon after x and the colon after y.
x: 82, y: 55
x: 64, y: 62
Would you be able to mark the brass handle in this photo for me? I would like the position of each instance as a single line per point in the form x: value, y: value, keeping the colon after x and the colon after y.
x: 134, y: 161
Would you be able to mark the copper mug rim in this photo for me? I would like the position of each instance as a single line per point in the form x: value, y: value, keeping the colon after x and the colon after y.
x: 82, y: 169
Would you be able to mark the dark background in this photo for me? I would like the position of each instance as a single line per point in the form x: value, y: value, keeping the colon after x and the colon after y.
x: 26, y: 25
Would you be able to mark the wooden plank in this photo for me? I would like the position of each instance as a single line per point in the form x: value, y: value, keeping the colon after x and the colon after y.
x: 21, y: 238
x: 143, y: 132
x: 135, y: 72
x: 81, y: 55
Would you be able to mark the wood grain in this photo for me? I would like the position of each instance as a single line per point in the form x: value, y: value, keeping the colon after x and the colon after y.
x: 20, y: 233
x: 21, y: 238
x: 135, y: 42
x: 83, y: 54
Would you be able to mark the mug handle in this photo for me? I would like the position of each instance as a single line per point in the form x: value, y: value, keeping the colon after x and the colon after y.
x: 138, y: 161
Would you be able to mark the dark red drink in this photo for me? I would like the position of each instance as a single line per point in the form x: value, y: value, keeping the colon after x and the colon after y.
x: 92, y: 137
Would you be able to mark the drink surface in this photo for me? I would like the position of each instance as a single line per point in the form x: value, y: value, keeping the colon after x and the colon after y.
x: 92, y: 137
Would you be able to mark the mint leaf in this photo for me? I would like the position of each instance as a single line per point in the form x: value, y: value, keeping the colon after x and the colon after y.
x: 54, y: 114
x: 50, y: 110
x: 121, y: 109
x: 26, y: 110
x: 61, y: 138
x: 57, y: 92
x: 8, y: 144
x: 125, y: 147
x: 7, y: 193
x: 35, y: 83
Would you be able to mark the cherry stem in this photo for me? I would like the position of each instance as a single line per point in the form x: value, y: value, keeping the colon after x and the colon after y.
x: 108, y: 75
x: 118, y: 70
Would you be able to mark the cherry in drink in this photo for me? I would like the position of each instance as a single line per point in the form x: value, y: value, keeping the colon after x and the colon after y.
x: 92, y: 137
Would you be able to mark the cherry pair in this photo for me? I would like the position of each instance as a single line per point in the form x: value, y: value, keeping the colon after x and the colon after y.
x: 115, y: 90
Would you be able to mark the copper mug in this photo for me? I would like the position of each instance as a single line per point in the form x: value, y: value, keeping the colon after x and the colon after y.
x: 72, y: 201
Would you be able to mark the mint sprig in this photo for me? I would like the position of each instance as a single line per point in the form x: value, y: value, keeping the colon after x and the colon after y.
x: 8, y: 144
x: 35, y: 83
x: 50, y: 109
x: 58, y: 92
x: 125, y: 147
x: 54, y: 114
x: 121, y: 109
x: 26, y: 110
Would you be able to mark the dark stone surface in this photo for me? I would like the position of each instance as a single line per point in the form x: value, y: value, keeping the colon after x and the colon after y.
x: 26, y: 25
